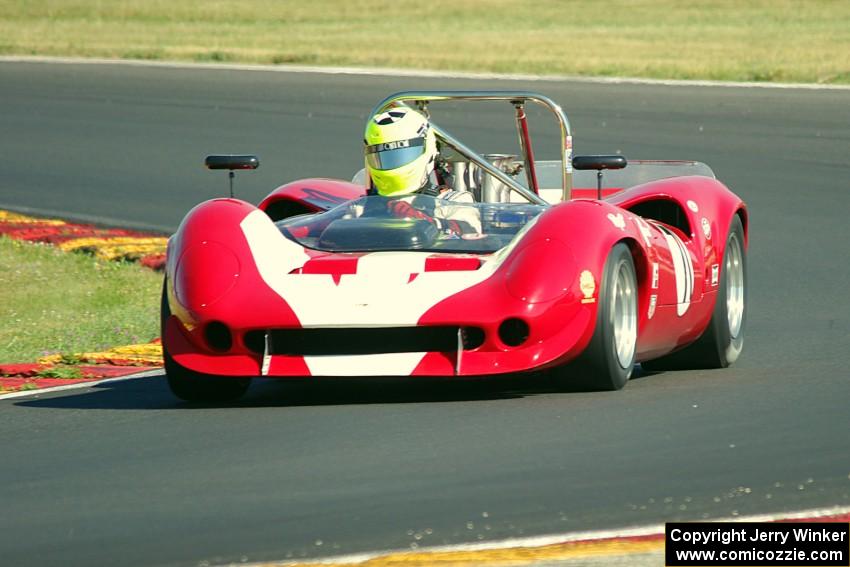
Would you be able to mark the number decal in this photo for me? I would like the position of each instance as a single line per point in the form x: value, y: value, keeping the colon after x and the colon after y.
x: 684, y: 270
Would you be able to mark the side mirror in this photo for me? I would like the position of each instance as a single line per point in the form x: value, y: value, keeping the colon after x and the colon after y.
x: 231, y: 162
x: 599, y: 162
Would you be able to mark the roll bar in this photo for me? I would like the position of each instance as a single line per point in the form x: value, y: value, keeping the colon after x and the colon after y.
x: 517, y: 99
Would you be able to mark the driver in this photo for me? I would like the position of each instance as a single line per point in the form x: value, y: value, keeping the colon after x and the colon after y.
x: 401, y: 155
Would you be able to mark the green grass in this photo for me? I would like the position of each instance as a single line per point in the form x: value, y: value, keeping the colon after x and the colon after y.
x: 61, y: 372
x: 53, y: 301
x: 755, y: 40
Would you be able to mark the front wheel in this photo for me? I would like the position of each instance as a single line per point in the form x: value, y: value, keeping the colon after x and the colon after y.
x: 608, y: 361
x: 194, y: 386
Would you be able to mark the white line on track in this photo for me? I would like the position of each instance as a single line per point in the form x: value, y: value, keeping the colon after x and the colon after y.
x: 551, y: 539
x: 392, y: 72
x: 79, y: 385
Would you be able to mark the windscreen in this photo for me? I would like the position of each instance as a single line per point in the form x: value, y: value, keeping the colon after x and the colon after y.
x: 375, y: 223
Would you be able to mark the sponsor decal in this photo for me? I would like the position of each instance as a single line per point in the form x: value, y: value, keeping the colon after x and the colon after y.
x: 588, y: 286
x: 706, y: 228
x: 653, y: 301
x: 693, y: 206
x: 655, y: 275
x: 683, y: 268
x: 568, y: 154
x: 384, y: 146
x: 715, y: 275
x: 617, y: 220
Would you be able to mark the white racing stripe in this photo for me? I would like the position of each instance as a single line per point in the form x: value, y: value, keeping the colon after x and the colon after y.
x: 684, y: 271
x: 380, y: 294
x: 389, y: 364
x: 393, y: 72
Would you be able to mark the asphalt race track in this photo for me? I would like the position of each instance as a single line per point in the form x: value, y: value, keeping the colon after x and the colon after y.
x: 123, y: 473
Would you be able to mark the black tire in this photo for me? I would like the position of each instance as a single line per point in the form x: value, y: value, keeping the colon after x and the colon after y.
x: 722, y: 341
x: 602, y: 365
x: 194, y: 386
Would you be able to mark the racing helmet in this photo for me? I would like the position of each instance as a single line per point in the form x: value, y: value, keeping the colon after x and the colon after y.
x: 400, y: 151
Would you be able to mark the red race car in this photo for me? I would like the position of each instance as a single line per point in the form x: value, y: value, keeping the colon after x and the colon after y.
x: 556, y: 267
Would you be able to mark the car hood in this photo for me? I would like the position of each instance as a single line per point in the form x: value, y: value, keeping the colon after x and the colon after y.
x: 360, y: 289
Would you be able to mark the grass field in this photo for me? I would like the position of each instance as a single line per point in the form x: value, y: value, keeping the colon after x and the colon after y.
x: 53, y: 301
x: 755, y: 40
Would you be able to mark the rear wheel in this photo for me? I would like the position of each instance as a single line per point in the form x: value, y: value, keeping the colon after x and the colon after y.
x: 721, y: 343
x: 608, y: 361
x: 194, y: 386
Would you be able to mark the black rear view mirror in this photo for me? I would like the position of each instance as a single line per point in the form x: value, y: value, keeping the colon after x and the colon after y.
x: 599, y: 163
x: 231, y: 162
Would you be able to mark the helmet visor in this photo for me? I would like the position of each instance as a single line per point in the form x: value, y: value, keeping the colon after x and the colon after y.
x: 391, y: 155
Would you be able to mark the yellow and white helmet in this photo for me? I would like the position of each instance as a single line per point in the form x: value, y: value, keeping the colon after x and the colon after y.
x: 400, y: 151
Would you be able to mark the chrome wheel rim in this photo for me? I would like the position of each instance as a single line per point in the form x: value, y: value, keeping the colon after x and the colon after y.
x: 624, y: 308
x: 734, y: 285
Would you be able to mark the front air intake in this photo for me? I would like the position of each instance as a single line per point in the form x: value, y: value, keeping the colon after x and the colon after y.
x: 218, y: 336
x: 353, y: 341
